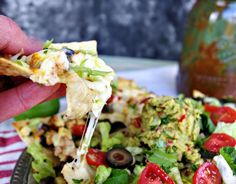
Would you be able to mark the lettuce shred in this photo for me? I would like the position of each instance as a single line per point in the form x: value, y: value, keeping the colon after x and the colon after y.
x: 102, y: 173
x: 42, y: 164
x: 107, y: 140
x: 162, y: 158
x: 229, y: 154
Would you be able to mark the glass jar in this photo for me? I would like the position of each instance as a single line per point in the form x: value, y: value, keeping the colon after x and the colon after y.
x: 208, y: 60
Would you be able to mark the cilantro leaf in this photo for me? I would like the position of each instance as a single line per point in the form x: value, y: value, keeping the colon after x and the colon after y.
x: 118, y: 176
x: 229, y: 154
x: 162, y: 158
x: 207, y: 126
x: 165, y: 120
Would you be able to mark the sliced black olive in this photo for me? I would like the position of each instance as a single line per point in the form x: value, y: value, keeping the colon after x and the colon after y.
x: 144, y: 145
x: 68, y: 52
x: 119, y: 158
x: 59, y: 167
x: 117, y: 126
x: 43, y: 142
x: 69, y: 159
x: 45, y: 127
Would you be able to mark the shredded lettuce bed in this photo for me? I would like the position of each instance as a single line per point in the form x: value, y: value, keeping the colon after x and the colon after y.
x: 42, y: 165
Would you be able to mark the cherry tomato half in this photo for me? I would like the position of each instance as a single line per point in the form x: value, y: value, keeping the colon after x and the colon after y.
x: 207, y: 173
x: 225, y: 114
x: 77, y: 130
x: 217, y: 141
x: 96, y: 157
x: 154, y: 174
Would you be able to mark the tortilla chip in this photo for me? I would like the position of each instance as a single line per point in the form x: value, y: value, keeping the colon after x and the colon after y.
x: 9, y: 68
x: 25, y: 137
x: 28, y: 129
x: 82, y: 94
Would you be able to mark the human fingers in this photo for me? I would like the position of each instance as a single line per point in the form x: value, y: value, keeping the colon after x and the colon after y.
x: 23, y: 97
x: 13, y: 39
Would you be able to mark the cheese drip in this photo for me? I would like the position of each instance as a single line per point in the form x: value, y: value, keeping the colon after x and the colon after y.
x: 79, y: 169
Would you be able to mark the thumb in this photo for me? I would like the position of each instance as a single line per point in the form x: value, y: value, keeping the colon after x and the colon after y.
x: 23, y: 97
x: 13, y: 39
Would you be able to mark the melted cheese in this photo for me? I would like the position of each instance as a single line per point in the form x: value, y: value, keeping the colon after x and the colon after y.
x: 83, y: 95
x: 79, y: 169
x: 88, y: 80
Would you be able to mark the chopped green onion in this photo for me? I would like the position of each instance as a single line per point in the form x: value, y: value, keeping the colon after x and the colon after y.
x: 84, y: 71
x: 100, y: 73
x: 83, y: 62
x: 47, y: 44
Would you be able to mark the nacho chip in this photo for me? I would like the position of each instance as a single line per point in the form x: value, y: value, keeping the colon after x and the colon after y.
x: 75, y: 64
x: 10, y: 68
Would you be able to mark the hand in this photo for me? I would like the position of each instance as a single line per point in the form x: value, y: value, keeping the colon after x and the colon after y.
x: 26, y: 94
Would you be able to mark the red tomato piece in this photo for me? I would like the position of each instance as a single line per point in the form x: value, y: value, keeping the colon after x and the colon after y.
x: 77, y: 130
x: 137, y: 122
x: 154, y: 174
x: 225, y: 114
x: 207, y: 173
x: 210, y: 108
x: 96, y: 157
x: 182, y: 118
x: 217, y: 141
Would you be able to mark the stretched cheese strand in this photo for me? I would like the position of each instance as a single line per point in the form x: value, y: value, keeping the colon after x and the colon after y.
x: 87, y: 135
x: 79, y: 169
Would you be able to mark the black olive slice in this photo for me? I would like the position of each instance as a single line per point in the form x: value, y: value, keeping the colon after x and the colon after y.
x: 43, y: 142
x: 68, y: 51
x: 119, y: 158
x: 117, y: 125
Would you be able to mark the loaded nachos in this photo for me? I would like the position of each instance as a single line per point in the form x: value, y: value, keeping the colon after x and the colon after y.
x: 140, y: 138
x: 75, y: 64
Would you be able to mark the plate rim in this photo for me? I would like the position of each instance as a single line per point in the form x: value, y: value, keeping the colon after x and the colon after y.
x: 22, y: 169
